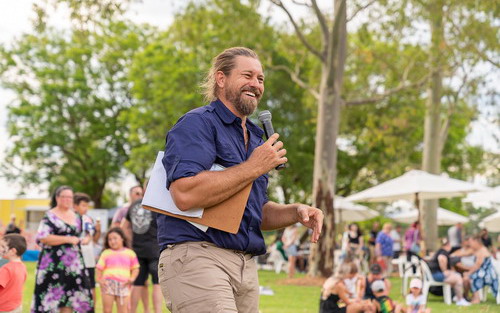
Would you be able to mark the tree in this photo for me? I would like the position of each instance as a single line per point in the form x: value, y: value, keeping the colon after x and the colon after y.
x: 329, y: 96
x: 332, y: 58
x: 167, y: 74
x: 444, y: 18
x: 71, y: 86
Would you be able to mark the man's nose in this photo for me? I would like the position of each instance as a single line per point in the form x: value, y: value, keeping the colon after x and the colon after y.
x: 254, y: 82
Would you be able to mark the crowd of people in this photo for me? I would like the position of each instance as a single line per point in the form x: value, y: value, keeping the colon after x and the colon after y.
x: 69, y: 266
x: 464, y: 262
x: 70, y: 263
x: 218, y: 272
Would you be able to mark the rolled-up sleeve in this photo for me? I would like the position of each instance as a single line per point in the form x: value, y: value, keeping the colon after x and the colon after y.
x: 190, y: 148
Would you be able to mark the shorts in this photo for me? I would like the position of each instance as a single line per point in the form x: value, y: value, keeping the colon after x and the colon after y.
x: 438, y: 276
x: 91, y: 271
x: 147, y: 266
x: 291, y: 250
x: 201, y: 277
x: 115, y: 288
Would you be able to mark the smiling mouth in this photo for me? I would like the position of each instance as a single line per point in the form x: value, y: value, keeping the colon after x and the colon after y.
x: 251, y: 93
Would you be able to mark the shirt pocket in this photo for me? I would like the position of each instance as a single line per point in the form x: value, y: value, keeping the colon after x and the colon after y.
x: 226, y: 154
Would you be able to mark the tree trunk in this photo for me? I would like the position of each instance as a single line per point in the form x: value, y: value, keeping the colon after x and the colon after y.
x: 321, y: 262
x: 431, y: 161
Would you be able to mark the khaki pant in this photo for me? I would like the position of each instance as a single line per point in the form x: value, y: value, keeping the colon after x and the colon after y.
x: 198, y: 277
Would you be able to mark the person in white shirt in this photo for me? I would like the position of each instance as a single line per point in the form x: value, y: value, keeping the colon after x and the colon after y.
x: 415, y: 300
x: 290, y: 240
x: 456, y: 236
x: 91, y: 228
x: 395, y: 234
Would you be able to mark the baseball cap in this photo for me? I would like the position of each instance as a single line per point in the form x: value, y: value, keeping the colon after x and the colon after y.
x: 416, y: 283
x: 375, y: 269
x: 378, y: 286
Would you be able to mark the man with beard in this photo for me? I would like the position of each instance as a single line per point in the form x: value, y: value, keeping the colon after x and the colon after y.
x: 212, y: 270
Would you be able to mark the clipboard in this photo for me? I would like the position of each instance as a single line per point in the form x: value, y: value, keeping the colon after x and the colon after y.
x: 225, y: 216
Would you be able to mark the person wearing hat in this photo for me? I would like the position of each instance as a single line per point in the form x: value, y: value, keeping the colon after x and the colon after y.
x: 375, y: 274
x: 415, y: 300
x: 382, y: 302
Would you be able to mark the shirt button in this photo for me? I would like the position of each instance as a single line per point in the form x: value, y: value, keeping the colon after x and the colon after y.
x: 250, y: 228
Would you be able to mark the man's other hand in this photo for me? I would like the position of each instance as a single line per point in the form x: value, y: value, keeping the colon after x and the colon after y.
x: 312, y: 218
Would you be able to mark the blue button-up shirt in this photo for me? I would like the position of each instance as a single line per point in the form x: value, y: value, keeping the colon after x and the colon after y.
x: 204, y: 136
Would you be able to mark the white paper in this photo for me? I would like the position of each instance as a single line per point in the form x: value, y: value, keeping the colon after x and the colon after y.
x: 203, y: 228
x: 158, y: 196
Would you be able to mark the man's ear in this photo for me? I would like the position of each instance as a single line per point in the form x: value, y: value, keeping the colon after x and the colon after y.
x: 220, y: 79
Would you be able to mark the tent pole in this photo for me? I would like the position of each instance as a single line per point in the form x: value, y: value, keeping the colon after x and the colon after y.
x: 417, y: 204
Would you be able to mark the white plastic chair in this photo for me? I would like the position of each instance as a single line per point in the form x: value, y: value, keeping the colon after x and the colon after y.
x: 428, y: 281
x: 276, y: 259
x: 483, y: 293
x: 408, y: 273
x: 400, y: 263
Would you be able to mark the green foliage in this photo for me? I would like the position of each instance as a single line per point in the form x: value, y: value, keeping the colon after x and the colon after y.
x: 165, y: 82
x: 70, y: 88
x: 104, y: 94
x: 381, y: 140
x: 109, y: 199
x: 167, y: 74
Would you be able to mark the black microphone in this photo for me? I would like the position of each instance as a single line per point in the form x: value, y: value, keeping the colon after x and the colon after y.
x: 265, y: 118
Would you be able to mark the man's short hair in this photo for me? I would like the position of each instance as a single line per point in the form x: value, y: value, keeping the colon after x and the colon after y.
x: 16, y: 241
x: 225, y: 63
x: 80, y: 197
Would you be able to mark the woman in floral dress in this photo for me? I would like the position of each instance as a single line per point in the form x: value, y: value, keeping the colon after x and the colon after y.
x: 62, y: 282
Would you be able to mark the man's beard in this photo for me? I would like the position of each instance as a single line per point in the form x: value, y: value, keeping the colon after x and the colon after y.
x: 243, y: 104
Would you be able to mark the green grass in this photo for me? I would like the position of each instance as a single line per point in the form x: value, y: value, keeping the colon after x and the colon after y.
x: 290, y: 298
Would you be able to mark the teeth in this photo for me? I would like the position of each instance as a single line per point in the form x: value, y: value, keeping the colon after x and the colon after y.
x: 251, y: 94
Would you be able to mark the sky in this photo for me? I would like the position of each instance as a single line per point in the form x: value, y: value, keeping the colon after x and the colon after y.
x: 15, y: 19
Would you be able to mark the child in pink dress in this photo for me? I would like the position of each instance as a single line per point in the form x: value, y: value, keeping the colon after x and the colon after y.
x: 117, y: 269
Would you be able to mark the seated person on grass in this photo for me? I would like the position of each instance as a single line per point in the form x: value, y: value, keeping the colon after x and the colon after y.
x: 382, y: 302
x: 415, y: 300
x: 374, y: 275
x: 335, y: 297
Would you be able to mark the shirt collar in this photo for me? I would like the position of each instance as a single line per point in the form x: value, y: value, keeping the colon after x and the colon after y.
x: 224, y: 113
x: 228, y: 117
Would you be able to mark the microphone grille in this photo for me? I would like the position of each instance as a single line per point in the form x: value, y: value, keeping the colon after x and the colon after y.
x: 265, y: 116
